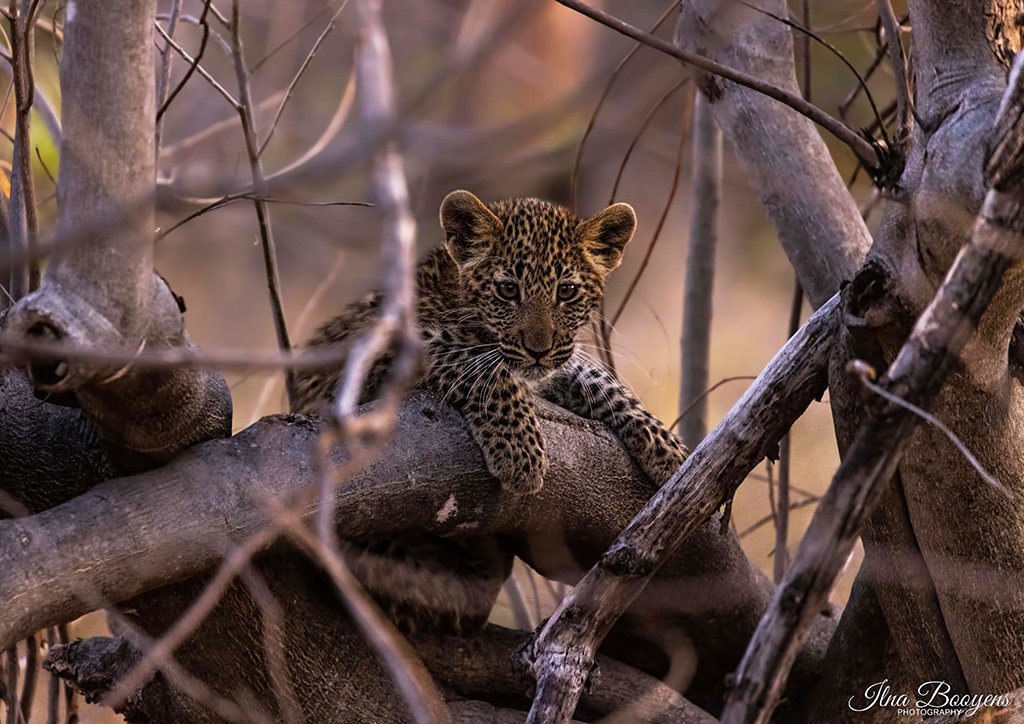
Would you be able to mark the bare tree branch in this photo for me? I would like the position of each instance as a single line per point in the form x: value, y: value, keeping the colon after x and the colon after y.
x: 898, y: 60
x: 784, y: 157
x: 164, y: 99
x: 562, y: 653
x: 259, y: 184
x: 916, y: 375
x: 298, y: 77
x: 23, y: 221
x: 700, y: 273
x: 600, y: 102
x: 862, y: 148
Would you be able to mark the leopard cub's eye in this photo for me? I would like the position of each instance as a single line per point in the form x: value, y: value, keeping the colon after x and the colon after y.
x: 507, y: 290
x: 567, y: 290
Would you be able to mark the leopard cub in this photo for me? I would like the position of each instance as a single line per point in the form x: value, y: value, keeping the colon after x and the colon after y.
x: 500, y: 306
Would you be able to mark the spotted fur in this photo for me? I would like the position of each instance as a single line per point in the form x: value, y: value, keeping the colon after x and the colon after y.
x: 500, y: 306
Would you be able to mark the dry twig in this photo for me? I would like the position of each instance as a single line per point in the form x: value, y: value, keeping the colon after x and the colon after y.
x: 600, y: 102
x: 260, y: 186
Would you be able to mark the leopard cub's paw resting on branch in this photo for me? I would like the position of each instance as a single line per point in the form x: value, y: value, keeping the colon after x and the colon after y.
x: 500, y: 306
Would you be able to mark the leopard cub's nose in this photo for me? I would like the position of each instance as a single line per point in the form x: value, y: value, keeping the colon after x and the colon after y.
x: 537, y: 344
x: 538, y: 354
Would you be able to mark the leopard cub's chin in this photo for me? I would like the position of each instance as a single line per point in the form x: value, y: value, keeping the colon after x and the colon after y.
x: 532, y: 374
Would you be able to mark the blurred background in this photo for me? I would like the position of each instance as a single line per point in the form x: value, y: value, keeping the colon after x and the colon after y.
x: 495, y: 98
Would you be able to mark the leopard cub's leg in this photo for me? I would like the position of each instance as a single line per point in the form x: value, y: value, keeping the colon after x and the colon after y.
x: 589, y: 391
x: 498, y: 411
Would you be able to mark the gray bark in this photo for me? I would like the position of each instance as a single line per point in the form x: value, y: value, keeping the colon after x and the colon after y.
x: 180, y: 519
x: 786, y: 160
x: 700, y: 273
x: 957, y: 601
x: 102, y: 292
x: 948, y: 578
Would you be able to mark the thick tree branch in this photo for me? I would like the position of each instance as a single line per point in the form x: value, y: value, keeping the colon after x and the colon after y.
x: 102, y: 293
x: 787, y: 163
x: 916, y: 375
x: 179, y: 520
x: 562, y: 653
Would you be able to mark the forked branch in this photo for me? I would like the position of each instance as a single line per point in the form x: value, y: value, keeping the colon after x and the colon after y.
x: 916, y: 376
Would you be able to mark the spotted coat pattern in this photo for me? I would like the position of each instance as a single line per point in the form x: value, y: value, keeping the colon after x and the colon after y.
x: 500, y: 307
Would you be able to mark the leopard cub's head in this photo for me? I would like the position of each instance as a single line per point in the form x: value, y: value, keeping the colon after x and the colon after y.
x: 533, y: 270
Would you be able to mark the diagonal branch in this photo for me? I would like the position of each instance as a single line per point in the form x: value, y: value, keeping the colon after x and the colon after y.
x: 194, y: 63
x: 600, y: 102
x: 562, y: 653
x: 165, y: 102
x: 298, y: 76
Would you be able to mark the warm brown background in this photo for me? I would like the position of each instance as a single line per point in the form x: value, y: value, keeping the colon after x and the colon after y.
x: 508, y: 126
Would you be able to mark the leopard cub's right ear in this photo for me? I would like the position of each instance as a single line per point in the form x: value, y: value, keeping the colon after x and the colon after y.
x: 469, y: 226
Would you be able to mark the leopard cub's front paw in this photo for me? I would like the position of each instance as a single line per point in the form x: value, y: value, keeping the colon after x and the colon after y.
x: 518, y: 468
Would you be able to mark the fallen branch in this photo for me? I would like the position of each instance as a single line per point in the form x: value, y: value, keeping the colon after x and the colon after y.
x: 562, y: 654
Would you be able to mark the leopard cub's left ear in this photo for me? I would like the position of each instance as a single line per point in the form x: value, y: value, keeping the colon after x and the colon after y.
x: 605, y: 234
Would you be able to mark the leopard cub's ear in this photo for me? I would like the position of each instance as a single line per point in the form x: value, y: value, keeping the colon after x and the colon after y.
x: 469, y: 226
x: 605, y: 234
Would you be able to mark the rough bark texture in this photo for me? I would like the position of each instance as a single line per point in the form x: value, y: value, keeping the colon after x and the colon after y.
x: 563, y: 651
x: 102, y: 292
x: 178, y: 521
x: 785, y: 158
x: 946, y: 574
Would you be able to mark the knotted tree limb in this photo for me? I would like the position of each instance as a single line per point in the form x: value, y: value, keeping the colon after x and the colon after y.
x: 562, y: 654
x: 916, y: 376
x: 103, y: 293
